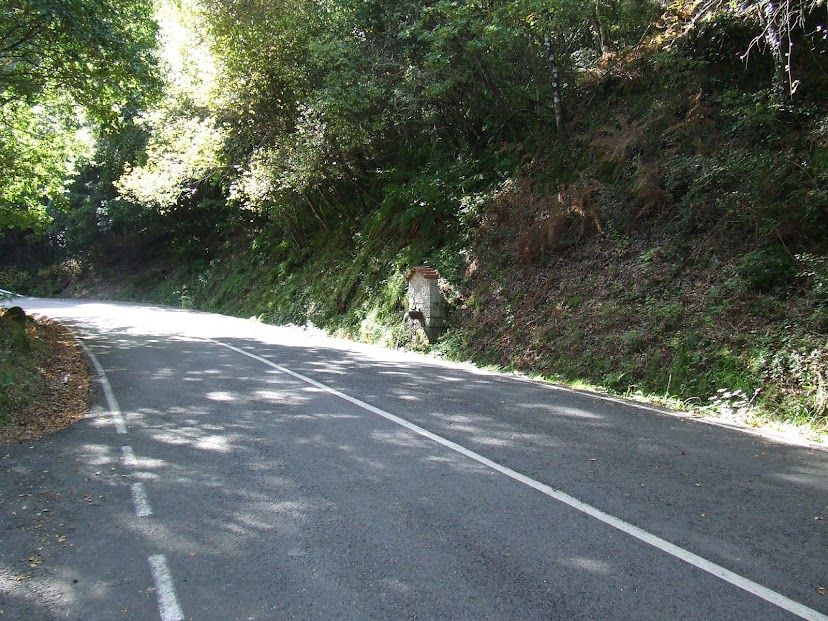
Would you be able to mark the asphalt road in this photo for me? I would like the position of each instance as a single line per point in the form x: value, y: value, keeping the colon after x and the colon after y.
x: 234, y: 471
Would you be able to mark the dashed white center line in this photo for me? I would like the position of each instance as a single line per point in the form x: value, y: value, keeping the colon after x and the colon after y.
x: 128, y: 457
x: 167, y: 600
x: 168, y: 606
x: 139, y: 498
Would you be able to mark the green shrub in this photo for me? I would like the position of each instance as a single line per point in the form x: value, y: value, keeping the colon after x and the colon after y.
x: 815, y: 270
x: 17, y: 280
x: 768, y: 269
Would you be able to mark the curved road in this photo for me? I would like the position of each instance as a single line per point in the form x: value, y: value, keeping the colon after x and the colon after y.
x: 234, y: 471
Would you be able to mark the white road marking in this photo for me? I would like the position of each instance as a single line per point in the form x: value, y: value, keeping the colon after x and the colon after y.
x: 139, y: 498
x: 114, y: 408
x: 168, y: 606
x: 733, y: 578
x: 167, y: 601
x: 128, y: 457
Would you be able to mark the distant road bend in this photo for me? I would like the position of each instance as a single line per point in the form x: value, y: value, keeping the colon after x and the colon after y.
x: 235, y: 471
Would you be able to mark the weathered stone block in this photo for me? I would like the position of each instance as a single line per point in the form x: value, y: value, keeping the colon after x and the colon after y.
x: 425, y: 302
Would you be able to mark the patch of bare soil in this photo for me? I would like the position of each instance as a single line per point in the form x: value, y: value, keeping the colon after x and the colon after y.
x: 59, y: 394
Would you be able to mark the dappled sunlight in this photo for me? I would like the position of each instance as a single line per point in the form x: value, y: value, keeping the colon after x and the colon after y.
x: 459, y: 418
x: 245, y: 522
x: 391, y: 371
x: 458, y: 464
x: 591, y: 565
x: 323, y: 416
x: 9, y: 579
x: 225, y: 535
x: 327, y: 368
x: 220, y: 396
x: 317, y: 440
x: 274, y: 395
x: 209, y: 427
x: 63, y: 584
x: 160, y: 533
x: 141, y: 463
x: 490, y: 441
x: 289, y: 511
x: 281, y: 470
x: 162, y: 374
x: 144, y: 415
x: 482, y: 435
x: 99, y: 455
x: 402, y: 439
x: 374, y: 465
x: 143, y: 475
x: 196, y: 438
x: 451, y: 379
x: 576, y: 413
x: 281, y: 397
x: 213, y: 443
x: 812, y: 477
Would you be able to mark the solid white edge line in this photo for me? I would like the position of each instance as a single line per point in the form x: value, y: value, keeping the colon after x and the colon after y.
x: 114, y: 408
x: 139, y: 498
x: 777, y: 599
x: 168, y: 605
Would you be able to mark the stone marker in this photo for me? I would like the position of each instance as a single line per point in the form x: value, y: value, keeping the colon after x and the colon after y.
x: 425, y: 303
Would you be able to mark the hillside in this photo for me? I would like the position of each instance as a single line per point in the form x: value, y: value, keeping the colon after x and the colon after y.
x: 665, y: 239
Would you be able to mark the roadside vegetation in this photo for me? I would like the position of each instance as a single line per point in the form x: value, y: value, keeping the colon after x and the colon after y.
x: 44, y: 383
x: 16, y: 366
x: 628, y: 194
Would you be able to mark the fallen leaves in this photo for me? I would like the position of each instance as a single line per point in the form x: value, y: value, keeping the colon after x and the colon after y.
x: 62, y: 398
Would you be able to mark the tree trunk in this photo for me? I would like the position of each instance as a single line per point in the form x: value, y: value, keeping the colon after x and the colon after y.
x: 604, y: 45
x: 779, y: 47
x: 557, y: 100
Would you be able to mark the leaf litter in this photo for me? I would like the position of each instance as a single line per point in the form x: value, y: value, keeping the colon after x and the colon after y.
x: 60, y: 396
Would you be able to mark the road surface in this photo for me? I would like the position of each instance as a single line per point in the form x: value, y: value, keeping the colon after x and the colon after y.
x: 234, y: 471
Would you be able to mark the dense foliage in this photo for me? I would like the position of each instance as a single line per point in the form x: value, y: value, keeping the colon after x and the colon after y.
x: 644, y: 161
x: 64, y: 65
x: 320, y: 114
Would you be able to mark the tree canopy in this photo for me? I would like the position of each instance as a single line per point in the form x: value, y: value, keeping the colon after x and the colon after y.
x: 66, y: 67
x: 315, y: 113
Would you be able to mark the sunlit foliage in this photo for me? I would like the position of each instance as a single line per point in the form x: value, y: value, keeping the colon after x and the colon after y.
x: 64, y: 64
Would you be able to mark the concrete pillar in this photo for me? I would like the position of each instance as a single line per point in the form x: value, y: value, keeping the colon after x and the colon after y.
x: 425, y: 303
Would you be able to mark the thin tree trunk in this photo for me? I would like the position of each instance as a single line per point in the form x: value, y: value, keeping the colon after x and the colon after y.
x: 603, y: 39
x: 773, y: 38
x: 556, y: 85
